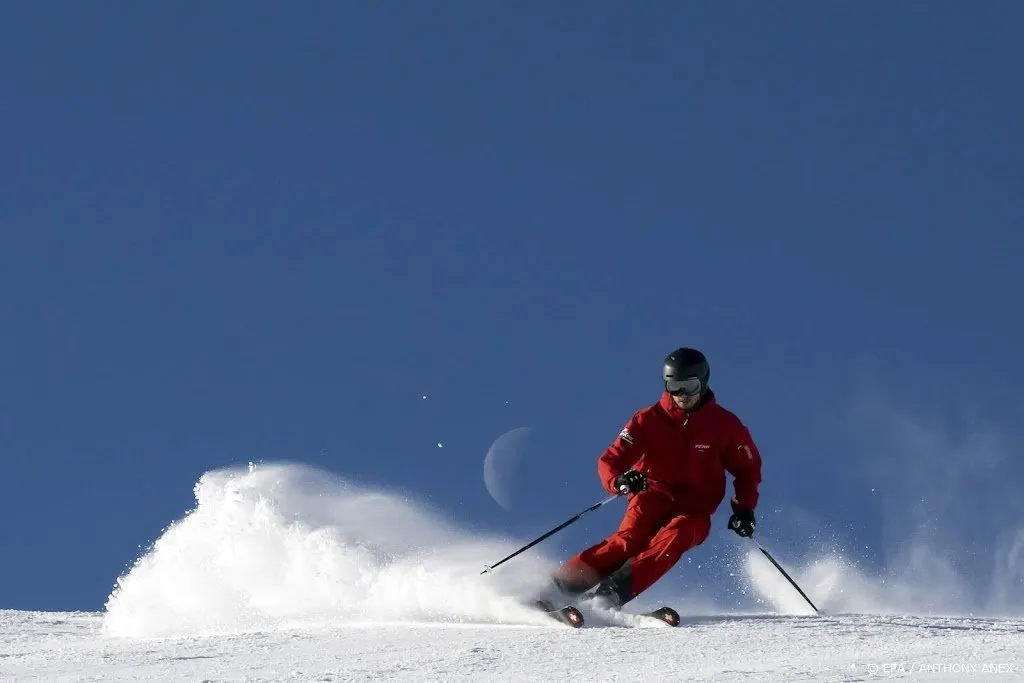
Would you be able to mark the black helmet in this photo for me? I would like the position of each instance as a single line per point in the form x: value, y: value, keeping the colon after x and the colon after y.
x: 686, y: 372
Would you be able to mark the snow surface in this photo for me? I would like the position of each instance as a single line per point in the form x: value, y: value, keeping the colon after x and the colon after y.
x: 283, y: 572
x: 72, y: 647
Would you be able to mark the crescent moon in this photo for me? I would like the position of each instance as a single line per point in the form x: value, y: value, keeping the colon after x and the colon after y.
x: 500, y: 464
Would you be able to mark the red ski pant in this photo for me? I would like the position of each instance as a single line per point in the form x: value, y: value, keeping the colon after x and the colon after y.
x: 651, y: 538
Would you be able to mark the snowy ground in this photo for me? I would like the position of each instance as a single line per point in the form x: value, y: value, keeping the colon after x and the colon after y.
x: 71, y: 647
x: 286, y: 573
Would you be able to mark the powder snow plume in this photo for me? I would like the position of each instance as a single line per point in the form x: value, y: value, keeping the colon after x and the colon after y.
x: 953, y: 523
x: 283, y: 544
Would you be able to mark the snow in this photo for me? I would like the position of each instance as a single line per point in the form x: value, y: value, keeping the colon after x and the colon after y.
x: 282, y: 572
x: 284, y: 543
x: 72, y: 647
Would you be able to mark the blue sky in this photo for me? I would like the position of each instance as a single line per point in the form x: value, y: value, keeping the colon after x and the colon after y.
x: 251, y: 231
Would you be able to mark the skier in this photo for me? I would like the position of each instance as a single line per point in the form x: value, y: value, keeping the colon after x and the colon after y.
x: 670, y: 459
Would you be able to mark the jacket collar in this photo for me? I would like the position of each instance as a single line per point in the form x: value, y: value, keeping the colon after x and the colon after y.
x: 677, y: 413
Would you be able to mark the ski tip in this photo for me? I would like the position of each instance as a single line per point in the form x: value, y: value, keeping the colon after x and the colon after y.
x: 572, y: 616
x: 569, y: 615
x: 665, y: 614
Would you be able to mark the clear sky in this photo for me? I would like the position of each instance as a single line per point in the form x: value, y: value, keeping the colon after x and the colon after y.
x: 263, y: 231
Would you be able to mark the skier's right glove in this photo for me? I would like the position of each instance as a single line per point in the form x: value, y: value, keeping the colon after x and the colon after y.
x: 631, y: 482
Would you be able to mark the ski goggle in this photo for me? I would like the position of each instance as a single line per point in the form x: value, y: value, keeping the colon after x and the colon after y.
x: 690, y: 386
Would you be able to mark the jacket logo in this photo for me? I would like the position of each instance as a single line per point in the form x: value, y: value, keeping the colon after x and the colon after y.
x: 702, y: 446
x: 626, y: 436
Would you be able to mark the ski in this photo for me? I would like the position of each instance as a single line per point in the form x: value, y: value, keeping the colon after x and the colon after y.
x: 665, y: 614
x: 572, y: 616
x: 568, y: 615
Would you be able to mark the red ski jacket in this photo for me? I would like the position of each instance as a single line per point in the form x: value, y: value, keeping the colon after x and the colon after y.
x: 686, y: 455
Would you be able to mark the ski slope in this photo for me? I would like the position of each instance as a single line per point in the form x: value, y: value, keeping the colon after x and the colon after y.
x: 283, y: 572
x: 56, y: 647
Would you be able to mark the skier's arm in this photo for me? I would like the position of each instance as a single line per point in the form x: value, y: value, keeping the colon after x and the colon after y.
x: 743, y: 461
x: 622, y: 454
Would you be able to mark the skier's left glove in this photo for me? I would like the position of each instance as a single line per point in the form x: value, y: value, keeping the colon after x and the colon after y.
x: 742, y: 522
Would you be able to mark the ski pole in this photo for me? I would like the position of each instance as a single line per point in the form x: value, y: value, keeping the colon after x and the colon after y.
x: 488, y: 568
x: 783, y: 571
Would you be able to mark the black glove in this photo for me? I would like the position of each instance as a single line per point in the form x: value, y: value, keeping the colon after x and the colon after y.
x: 742, y: 522
x: 631, y: 482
